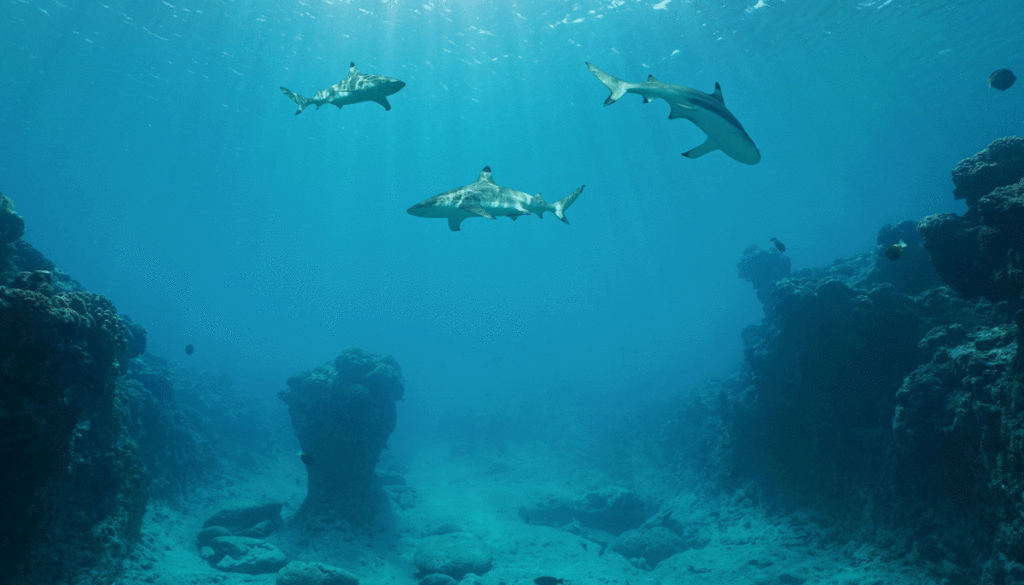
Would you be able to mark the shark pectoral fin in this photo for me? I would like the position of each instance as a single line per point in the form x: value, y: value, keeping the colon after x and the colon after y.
x: 384, y: 102
x: 453, y: 223
x: 477, y: 210
x: 647, y: 100
x: 701, y: 150
x: 679, y: 111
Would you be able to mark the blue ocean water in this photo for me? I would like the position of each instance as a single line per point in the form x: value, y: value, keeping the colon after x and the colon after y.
x: 154, y: 159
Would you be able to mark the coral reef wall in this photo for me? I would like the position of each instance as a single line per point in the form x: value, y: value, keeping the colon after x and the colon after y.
x: 343, y: 413
x: 90, y: 428
x: 875, y: 393
x: 74, y: 487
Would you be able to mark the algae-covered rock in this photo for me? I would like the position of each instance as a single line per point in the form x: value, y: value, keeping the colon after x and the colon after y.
x: 455, y: 555
x: 241, y: 554
x: 299, y: 573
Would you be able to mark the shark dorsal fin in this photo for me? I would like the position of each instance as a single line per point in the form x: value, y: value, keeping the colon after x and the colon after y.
x: 352, y: 71
x: 718, y: 93
x: 651, y: 78
x: 485, y: 175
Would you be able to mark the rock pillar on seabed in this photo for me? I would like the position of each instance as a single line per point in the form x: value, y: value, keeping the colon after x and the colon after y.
x: 343, y: 413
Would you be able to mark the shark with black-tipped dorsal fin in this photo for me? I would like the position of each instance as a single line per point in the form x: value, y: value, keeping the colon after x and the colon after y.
x: 485, y: 198
x: 706, y: 110
x: 353, y: 89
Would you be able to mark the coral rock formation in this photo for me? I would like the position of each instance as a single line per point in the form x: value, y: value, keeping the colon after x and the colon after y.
x: 343, y: 413
x: 876, y: 393
x: 982, y: 252
x: 74, y: 489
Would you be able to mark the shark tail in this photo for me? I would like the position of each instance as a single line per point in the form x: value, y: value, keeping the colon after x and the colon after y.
x: 300, y: 101
x: 616, y: 85
x: 562, y: 204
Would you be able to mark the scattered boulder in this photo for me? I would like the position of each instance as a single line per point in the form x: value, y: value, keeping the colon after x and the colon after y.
x: 261, y: 530
x: 472, y: 579
x: 613, y: 510
x: 455, y: 555
x: 241, y: 554
x: 438, y: 579
x: 206, y: 535
x: 653, y: 545
x: 550, y: 511
x: 299, y: 573
x: 610, y: 510
x: 246, y: 517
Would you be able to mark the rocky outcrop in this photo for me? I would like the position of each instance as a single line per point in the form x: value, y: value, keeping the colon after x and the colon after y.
x: 74, y: 488
x: 343, y: 413
x: 879, y: 394
x: 763, y: 268
x: 981, y: 253
x: 1002, y: 163
x: 83, y: 443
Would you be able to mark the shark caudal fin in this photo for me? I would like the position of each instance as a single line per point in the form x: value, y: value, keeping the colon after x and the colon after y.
x: 298, y: 99
x: 616, y: 85
x: 562, y: 204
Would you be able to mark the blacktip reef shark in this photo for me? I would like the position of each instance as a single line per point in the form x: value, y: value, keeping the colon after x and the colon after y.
x: 485, y: 198
x: 353, y: 89
x: 706, y: 110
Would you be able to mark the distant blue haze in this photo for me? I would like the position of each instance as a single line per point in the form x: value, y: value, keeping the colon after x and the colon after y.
x: 154, y: 159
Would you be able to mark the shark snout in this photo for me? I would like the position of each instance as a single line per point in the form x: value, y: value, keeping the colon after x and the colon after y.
x: 393, y: 85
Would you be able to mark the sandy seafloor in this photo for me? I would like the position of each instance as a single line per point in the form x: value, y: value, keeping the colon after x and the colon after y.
x: 481, y: 492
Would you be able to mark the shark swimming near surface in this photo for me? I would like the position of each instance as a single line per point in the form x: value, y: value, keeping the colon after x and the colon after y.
x: 706, y: 110
x: 485, y: 198
x: 353, y: 89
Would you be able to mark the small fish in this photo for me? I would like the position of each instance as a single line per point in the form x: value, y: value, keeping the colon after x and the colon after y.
x: 190, y: 349
x: 1002, y: 79
x: 779, y: 245
x: 547, y: 581
x: 306, y: 458
x: 894, y: 251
